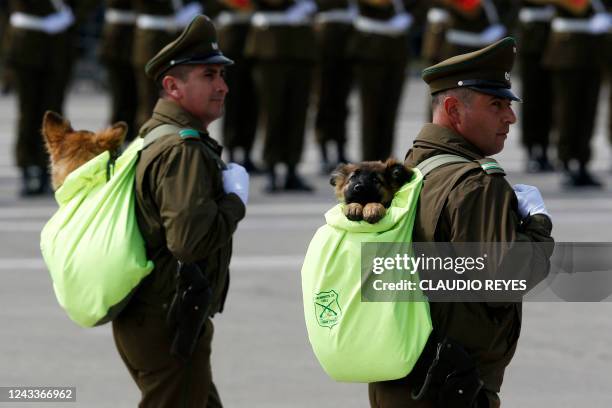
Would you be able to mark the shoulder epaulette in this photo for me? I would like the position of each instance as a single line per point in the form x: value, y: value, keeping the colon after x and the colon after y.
x: 189, y: 134
x: 490, y: 166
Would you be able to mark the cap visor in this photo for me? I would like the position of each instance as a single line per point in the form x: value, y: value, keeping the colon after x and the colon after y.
x: 212, y: 60
x: 503, y: 93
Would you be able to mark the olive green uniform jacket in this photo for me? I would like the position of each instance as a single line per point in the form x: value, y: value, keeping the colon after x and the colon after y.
x: 182, y: 210
x: 184, y: 215
x: 472, y: 206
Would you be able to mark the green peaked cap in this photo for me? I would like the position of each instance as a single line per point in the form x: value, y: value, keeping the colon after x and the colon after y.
x: 197, y: 44
x: 486, y: 70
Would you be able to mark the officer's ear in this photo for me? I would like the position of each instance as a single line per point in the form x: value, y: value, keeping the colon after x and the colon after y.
x: 171, y: 87
x: 452, y: 109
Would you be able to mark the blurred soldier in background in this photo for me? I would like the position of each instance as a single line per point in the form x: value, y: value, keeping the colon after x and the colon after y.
x: 40, y: 54
x: 536, y: 113
x: 281, y: 41
x: 233, y: 20
x: 434, y: 36
x: 116, y: 54
x: 333, y: 79
x: 380, y: 49
x: 476, y: 23
x: 573, y: 55
x: 158, y: 22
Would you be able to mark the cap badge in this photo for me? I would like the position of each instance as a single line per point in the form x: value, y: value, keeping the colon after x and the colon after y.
x: 215, y: 46
x: 507, y: 75
x: 460, y: 83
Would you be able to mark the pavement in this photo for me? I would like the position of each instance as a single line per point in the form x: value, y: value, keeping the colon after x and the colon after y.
x: 261, y: 355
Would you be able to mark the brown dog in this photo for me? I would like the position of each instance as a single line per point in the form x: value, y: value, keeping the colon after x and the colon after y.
x: 367, y: 188
x: 69, y: 148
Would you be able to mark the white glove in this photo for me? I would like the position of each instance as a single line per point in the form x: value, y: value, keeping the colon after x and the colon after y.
x: 58, y: 22
x: 301, y: 11
x: 600, y: 23
x: 401, y: 22
x: 530, y: 200
x: 236, y: 180
x: 187, y: 13
x: 493, y: 33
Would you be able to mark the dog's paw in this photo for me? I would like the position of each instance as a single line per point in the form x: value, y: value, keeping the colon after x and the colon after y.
x: 354, y: 211
x: 373, y: 212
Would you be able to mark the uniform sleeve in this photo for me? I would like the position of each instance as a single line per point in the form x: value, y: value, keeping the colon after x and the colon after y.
x: 196, y: 224
x: 484, y: 209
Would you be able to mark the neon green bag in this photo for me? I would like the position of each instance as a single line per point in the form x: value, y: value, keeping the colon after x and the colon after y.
x: 92, y: 245
x: 359, y: 341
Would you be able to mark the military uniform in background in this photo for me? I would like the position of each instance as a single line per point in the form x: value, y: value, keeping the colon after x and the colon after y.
x: 184, y: 214
x: 116, y: 52
x: 333, y: 77
x: 476, y: 24
x: 157, y: 24
x: 37, y: 52
x: 282, y: 45
x: 536, y: 92
x: 380, y: 49
x: 434, y: 36
x: 468, y: 202
x: 233, y: 21
x: 573, y: 54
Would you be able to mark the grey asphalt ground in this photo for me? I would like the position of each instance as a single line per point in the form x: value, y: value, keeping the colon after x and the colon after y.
x: 261, y: 354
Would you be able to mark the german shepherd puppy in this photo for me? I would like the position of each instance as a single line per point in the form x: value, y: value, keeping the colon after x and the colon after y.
x: 69, y: 148
x: 367, y: 188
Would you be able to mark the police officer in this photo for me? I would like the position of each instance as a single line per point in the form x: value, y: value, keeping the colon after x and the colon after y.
x: 281, y: 43
x: 572, y: 54
x: 116, y: 53
x: 187, y: 208
x: 158, y: 22
x: 380, y: 50
x: 333, y: 78
x: 536, y: 113
x: 38, y: 47
x: 467, y: 199
x: 233, y: 18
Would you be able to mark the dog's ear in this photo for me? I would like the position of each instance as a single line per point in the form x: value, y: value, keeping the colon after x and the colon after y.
x: 112, y: 138
x: 397, y: 173
x: 339, y: 174
x: 54, y: 128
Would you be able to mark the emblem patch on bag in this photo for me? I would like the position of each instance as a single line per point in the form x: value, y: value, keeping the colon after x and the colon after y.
x: 327, y: 308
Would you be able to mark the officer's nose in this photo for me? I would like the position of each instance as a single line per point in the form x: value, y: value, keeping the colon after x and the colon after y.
x: 510, y: 115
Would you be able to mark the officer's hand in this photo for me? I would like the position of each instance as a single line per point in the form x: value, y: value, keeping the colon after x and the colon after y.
x: 236, y: 180
x: 530, y: 200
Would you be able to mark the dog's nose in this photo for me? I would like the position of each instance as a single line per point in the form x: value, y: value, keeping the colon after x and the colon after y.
x: 358, y: 188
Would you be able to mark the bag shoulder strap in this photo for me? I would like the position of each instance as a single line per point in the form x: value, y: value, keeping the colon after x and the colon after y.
x: 158, y: 132
x: 488, y: 165
x: 428, y: 165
